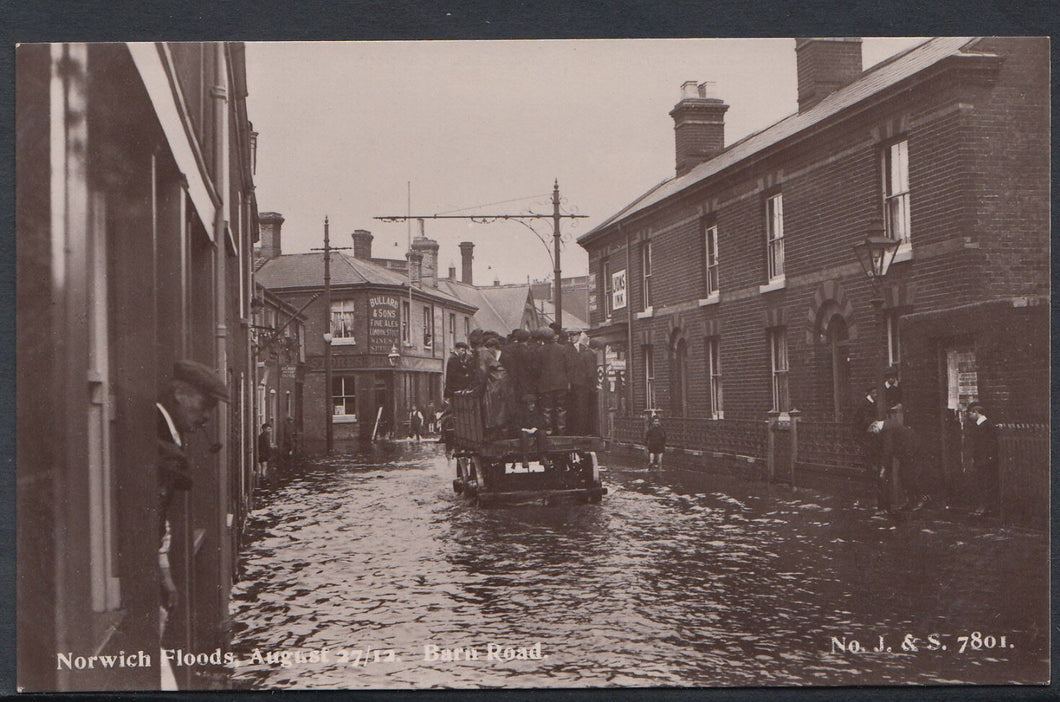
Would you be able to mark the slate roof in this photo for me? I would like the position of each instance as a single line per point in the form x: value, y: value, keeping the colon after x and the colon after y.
x: 306, y: 270
x: 876, y: 79
x: 500, y: 308
x: 571, y: 320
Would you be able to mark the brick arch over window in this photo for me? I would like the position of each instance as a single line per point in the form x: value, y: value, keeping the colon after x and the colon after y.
x: 829, y: 301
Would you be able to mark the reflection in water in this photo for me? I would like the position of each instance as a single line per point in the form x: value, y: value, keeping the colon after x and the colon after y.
x: 674, y: 579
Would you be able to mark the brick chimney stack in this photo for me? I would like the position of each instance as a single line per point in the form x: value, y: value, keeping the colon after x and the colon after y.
x: 362, y: 244
x: 467, y: 253
x: 824, y: 65
x: 452, y: 271
x: 270, y: 224
x: 428, y: 250
x: 699, y: 125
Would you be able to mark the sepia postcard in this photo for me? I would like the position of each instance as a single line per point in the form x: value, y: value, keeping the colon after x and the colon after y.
x: 631, y: 363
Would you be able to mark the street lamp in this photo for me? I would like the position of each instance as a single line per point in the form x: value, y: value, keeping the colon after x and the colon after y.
x: 394, y: 355
x: 876, y: 254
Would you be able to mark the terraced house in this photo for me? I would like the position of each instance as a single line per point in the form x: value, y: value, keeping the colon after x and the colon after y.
x: 730, y: 297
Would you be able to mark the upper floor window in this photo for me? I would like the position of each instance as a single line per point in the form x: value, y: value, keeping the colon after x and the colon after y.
x: 645, y: 265
x: 452, y: 329
x: 778, y: 357
x: 467, y: 327
x: 710, y: 244
x: 775, y: 237
x: 428, y: 326
x: 342, y: 322
x: 896, y: 191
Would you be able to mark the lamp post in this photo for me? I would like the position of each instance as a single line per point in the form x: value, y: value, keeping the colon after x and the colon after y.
x: 875, y: 253
x: 328, y: 401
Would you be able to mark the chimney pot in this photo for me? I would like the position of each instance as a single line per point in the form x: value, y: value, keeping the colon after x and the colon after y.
x: 452, y: 271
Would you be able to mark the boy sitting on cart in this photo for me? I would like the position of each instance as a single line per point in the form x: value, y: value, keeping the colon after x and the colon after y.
x: 528, y: 424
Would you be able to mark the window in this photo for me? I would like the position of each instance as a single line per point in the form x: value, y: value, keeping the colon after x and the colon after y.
x: 467, y: 327
x: 894, y: 340
x: 714, y: 375
x: 679, y: 380
x: 608, y: 308
x: 775, y: 237
x: 289, y: 404
x: 645, y: 265
x: 649, y: 377
x: 452, y: 329
x: 428, y: 326
x: 710, y: 244
x: 342, y: 322
x: 896, y: 191
x: 778, y: 355
x: 344, y: 396
x: 406, y: 317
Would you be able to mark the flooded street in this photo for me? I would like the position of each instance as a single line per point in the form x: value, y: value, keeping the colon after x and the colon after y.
x: 675, y: 579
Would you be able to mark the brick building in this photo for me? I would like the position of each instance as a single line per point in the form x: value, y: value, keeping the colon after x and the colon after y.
x: 944, y: 146
x: 279, y: 354
x: 389, y: 340
x: 136, y: 218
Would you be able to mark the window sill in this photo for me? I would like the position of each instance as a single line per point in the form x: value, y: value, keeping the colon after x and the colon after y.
x: 344, y: 419
x: 711, y: 299
x: 717, y: 415
x: 775, y: 284
x: 904, y: 253
x: 648, y: 313
x: 343, y: 341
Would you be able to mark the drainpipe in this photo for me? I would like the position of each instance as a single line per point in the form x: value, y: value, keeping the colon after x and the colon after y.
x: 219, y: 93
x: 629, y: 325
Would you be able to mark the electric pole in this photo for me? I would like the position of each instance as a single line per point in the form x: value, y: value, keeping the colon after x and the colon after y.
x: 487, y: 218
x: 329, y: 405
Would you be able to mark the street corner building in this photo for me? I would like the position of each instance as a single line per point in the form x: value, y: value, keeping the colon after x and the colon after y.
x: 757, y: 347
x: 136, y: 219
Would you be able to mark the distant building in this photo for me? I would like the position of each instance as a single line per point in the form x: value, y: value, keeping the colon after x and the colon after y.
x: 388, y: 346
x: 732, y: 289
x: 501, y: 307
x: 279, y: 353
x: 576, y: 296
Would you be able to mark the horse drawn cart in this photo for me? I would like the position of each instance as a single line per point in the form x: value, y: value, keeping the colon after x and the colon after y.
x: 503, y: 470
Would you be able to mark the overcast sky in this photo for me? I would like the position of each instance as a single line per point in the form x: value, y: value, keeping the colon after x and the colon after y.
x: 485, y: 127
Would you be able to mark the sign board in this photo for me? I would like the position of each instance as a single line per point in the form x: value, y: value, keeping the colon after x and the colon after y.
x: 288, y: 371
x: 618, y: 289
x: 384, y: 327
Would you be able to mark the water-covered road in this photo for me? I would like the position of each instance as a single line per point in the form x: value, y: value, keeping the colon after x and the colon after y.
x: 675, y: 579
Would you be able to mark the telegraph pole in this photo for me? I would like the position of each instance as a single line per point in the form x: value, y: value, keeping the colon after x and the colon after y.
x: 329, y: 405
x: 487, y: 218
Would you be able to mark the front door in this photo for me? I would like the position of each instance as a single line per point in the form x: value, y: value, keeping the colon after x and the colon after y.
x: 961, y: 388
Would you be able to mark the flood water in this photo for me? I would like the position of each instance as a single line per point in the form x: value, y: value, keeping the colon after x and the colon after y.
x: 674, y: 579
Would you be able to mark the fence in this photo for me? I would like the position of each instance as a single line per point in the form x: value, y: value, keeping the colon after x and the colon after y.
x: 830, y: 445
x: 731, y: 437
x: 1024, y: 465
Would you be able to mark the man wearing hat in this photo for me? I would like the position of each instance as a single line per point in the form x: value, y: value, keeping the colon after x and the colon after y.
x: 186, y: 406
x: 457, y: 370
x: 983, y: 438
x: 553, y: 384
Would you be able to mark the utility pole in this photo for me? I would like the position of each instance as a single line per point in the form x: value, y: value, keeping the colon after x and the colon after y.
x: 558, y: 296
x: 329, y: 406
x: 487, y: 218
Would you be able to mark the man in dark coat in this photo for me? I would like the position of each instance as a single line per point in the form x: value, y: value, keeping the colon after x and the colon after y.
x: 186, y: 406
x: 457, y: 370
x: 583, y: 391
x: 655, y: 443
x: 899, y: 456
x: 892, y: 389
x: 553, y: 384
x: 985, y: 452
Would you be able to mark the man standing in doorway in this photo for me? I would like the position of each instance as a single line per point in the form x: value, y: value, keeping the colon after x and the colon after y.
x: 983, y: 435
x: 264, y: 450
x: 186, y: 406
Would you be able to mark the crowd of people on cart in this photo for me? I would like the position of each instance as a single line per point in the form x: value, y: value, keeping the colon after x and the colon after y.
x: 530, y: 384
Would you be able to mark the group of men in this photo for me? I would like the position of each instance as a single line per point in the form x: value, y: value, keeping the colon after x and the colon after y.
x: 535, y: 383
x: 894, y: 453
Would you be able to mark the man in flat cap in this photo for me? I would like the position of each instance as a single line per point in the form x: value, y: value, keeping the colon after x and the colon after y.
x: 457, y: 370
x: 186, y: 406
